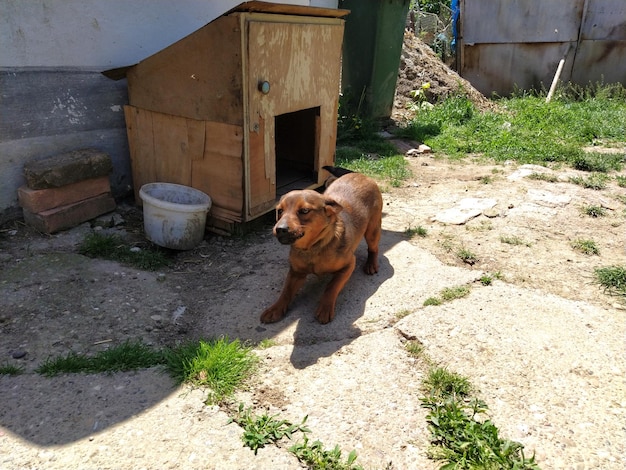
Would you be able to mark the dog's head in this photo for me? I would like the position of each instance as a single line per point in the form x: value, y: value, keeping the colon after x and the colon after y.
x: 303, y: 217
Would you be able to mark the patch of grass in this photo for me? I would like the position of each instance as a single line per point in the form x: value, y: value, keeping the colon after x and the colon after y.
x: 524, y: 127
x: 418, y: 231
x: 123, y: 357
x: 612, y: 279
x: 432, y: 301
x: 587, y: 247
x: 486, y: 280
x: 621, y: 181
x: 453, y: 293
x: 467, y: 256
x: 114, y: 248
x: 543, y: 177
x: 261, y: 430
x: 385, y: 163
x: 598, y: 162
x: 594, y: 211
x: 221, y: 364
x: 10, y: 369
x: 266, y: 343
x: 595, y: 181
x: 314, y: 456
x: 460, y: 435
x: 415, y: 348
x: 403, y: 313
x: 513, y: 240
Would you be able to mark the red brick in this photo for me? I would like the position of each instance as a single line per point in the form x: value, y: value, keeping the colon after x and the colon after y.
x: 71, y: 215
x: 39, y: 200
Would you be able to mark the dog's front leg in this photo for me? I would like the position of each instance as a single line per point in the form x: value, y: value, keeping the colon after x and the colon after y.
x: 326, y: 310
x: 293, y: 283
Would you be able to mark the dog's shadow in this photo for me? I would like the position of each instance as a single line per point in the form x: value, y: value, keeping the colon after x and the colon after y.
x: 312, y: 340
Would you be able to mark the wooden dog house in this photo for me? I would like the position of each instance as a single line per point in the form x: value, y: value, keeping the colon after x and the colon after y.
x: 244, y: 109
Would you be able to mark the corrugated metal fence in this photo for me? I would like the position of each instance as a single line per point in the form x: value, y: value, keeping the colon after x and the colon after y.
x: 506, y: 44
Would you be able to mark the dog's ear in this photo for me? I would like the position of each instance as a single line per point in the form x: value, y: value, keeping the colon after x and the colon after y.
x: 332, y: 207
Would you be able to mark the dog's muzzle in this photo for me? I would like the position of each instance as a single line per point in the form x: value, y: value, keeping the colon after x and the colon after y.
x: 285, y: 236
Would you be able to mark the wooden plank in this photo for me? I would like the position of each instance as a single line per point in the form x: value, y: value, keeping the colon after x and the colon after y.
x: 220, y: 172
x: 301, y: 62
x: 171, y: 149
x: 198, y: 77
x: 141, y: 147
x: 285, y: 9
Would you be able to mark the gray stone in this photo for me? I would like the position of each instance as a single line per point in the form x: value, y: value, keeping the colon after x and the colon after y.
x: 67, y: 168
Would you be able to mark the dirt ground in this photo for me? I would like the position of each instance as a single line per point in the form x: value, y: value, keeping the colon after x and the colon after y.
x: 543, y: 344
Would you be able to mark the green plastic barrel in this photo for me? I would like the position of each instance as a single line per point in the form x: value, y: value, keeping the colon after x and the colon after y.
x: 372, y: 45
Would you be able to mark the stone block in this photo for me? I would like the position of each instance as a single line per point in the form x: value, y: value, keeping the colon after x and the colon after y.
x: 71, y: 215
x: 67, y: 168
x: 39, y: 200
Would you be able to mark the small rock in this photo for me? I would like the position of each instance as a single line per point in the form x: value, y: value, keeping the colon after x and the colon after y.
x: 491, y: 213
x: 135, y: 249
x: 548, y: 199
x: 18, y: 354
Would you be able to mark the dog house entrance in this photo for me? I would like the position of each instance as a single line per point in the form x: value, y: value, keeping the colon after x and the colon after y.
x: 296, y: 149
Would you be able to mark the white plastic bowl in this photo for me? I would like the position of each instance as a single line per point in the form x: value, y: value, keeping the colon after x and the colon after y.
x: 174, y: 216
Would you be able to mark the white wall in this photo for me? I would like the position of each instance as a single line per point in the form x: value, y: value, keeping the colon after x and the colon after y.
x: 102, y: 33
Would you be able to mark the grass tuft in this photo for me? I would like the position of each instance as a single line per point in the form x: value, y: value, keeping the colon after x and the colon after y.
x: 221, y: 365
x: 587, y: 247
x: 612, y: 279
x: 595, y: 181
x: 114, y: 248
x: 594, y: 211
x: 124, y: 357
x: 10, y: 369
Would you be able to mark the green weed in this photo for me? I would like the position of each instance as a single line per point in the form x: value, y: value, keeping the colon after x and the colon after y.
x: 467, y: 256
x: 595, y: 181
x: 543, y: 177
x: 220, y: 364
x: 315, y: 457
x: 587, y: 247
x: 124, y: 357
x: 612, y: 279
x: 432, y: 301
x: 10, y: 369
x: 113, y: 247
x: 594, y: 211
x: 513, y: 240
x: 453, y: 293
x: 418, y: 231
x: 621, y: 181
x: 460, y: 435
x: 261, y: 430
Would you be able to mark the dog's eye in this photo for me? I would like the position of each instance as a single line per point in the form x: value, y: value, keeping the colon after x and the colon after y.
x: 304, y: 211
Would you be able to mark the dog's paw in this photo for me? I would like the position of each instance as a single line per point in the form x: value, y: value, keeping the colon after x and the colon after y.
x: 272, y: 314
x: 325, y: 314
x: 371, y: 265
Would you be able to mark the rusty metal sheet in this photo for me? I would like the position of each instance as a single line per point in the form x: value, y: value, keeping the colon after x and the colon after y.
x: 499, y: 68
x: 600, y: 61
x: 515, y: 21
x: 605, y: 19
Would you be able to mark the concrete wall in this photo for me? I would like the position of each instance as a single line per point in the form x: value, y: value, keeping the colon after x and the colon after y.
x: 53, y: 97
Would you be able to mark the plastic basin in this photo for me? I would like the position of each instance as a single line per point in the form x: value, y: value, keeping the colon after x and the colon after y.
x: 174, y: 215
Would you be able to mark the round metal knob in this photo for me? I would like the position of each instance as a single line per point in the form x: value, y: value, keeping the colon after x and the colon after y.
x: 264, y: 87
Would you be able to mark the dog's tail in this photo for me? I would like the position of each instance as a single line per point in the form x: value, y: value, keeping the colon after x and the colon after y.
x: 336, y: 171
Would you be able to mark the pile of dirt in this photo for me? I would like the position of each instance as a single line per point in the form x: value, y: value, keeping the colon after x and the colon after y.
x: 420, y: 65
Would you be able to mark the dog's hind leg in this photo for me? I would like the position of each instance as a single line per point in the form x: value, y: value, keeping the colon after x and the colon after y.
x: 372, y: 237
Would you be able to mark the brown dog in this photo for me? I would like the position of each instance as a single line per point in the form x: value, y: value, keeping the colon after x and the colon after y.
x: 324, y: 231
